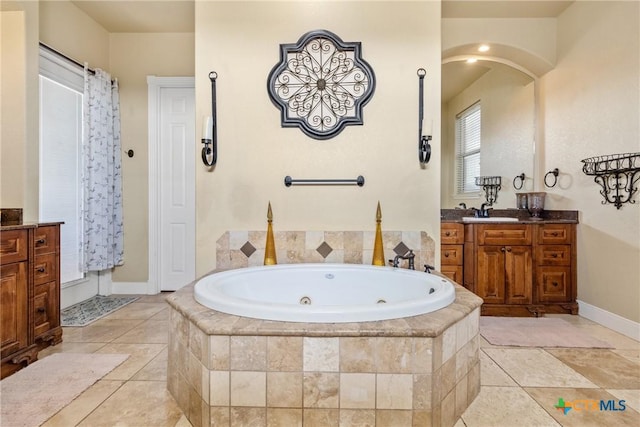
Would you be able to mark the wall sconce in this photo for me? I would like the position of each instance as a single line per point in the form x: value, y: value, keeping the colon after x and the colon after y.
x: 617, y: 174
x: 210, y: 128
x: 491, y: 185
x: 424, y: 148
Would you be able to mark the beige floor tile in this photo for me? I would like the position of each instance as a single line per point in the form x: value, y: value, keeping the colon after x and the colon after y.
x: 604, y: 368
x: 139, y: 356
x: 137, y: 310
x: 150, y: 332
x: 157, y: 298
x: 136, y: 404
x: 505, y: 407
x: 616, y: 339
x: 534, y: 367
x: 156, y: 370
x: 71, y: 347
x: 102, y: 330
x: 492, y: 374
x: 632, y: 355
x: 631, y: 397
x: 162, y: 315
x: 84, y: 404
x: 183, y: 422
x: 586, y: 407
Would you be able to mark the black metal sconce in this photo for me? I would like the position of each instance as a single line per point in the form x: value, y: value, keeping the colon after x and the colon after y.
x: 424, y: 148
x: 210, y: 128
x: 491, y: 185
x: 617, y: 174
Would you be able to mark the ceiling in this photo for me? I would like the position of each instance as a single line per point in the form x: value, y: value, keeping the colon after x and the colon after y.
x: 177, y: 16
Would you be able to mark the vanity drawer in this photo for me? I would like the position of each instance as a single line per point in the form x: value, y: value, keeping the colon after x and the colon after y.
x: 451, y: 233
x: 504, y: 234
x: 451, y: 254
x: 13, y: 246
x: 45, y: 239
x: 453, y: 272
x: 554, y: 234
x: 45, y: 268
x: 553, y: 284
x: 553, y: 255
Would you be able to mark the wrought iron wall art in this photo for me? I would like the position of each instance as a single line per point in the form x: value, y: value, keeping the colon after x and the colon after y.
x: 518, y: 181
x: 617, y: 174
x: 359, y: 181
x: 491, y: 185
x: 210, y: 131
x: 553, y: 178
x: 424, y: 148
x: 321, y: 84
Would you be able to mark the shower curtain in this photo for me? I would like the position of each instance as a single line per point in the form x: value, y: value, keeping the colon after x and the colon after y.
x: 102, y: 173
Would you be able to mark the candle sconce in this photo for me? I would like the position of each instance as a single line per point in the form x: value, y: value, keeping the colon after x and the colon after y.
x: 617, y: 174
x: 210, y: 128
x: 491, y: 185
x: 424, y: 148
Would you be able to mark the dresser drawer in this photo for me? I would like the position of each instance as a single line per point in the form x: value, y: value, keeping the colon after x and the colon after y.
x: 451, y: 233
x: 45, y: 239
x: 554, y: 234
x: 504, y: 234
x: 553, y: 255
x: 13, y: 246
x: 451, y: 254
x: 554, y: 284
x: 45, y: 268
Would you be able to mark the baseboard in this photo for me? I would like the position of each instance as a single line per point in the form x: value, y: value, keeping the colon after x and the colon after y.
x: 76, y: 292
x: 126, y: 288
x: 610, y: 320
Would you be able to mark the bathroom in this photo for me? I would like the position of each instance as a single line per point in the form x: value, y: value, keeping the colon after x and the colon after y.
x: 594, y: 114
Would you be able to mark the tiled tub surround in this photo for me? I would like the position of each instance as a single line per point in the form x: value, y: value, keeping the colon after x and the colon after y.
x: 226, y: 370
x: 237, y: 249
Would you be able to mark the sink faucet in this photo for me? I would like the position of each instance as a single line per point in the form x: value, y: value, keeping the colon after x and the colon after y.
x: 462, y: 206
x: 408, y: 256
x: 483, y: 212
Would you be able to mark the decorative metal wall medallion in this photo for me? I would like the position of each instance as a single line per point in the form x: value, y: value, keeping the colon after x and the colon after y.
x: 321, y: 84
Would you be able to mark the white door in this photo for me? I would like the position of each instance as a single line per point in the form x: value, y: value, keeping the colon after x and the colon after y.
x: 176, y: 187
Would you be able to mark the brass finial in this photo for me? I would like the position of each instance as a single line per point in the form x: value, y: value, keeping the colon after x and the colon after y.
x: 378, y: 247
x: 269, y: 213
x: 378, y: 213
x: 270, y: 247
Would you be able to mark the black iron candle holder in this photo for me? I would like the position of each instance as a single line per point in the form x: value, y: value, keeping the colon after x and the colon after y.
x: 617, y: 174
x: 491, y: 185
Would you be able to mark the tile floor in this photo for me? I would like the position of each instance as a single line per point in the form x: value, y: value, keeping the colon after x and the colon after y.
x: 520, y: 386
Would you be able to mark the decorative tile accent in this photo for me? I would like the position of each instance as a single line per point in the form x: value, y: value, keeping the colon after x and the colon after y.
x: 324, y: 249
x: 401, y: 249
x: 248, y: 249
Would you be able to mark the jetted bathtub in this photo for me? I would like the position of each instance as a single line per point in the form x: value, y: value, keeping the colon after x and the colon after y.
x: 324, y: 293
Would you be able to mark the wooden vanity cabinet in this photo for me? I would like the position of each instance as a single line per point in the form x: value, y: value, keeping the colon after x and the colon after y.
x: 452, y: 250
x: 30, y: 293
x: 519, y: 269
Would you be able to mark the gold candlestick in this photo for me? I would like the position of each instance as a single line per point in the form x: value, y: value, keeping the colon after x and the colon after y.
x: 378, y: 250
x: 270, y: 248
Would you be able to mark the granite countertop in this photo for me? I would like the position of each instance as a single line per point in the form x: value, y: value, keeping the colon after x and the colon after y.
x: 21, y: 226
x: 548, y: 217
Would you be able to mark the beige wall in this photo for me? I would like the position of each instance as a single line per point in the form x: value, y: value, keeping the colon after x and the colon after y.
x: 591, y: 104
x: 241, y: 42
x: 133, y: 58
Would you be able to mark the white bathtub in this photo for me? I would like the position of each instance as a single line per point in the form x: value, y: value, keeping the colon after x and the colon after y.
x: 324, y: 293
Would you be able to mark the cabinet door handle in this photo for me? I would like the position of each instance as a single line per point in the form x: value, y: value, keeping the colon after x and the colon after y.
x: 41, y: 270
x: 555, y: 283
x: 447, y: 233
x: 554, y: 255
x: 508, y: 249
x: 554, y: 234
x: 41, y: 310
x: 502, y: 249
x: 446, y: 254
x: 41, y: 241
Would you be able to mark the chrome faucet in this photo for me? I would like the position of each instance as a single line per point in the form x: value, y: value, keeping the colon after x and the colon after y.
x: 408, y: 256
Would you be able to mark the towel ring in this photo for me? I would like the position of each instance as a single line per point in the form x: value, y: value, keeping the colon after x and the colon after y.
x: 555, y: 173
x: 515, y: 181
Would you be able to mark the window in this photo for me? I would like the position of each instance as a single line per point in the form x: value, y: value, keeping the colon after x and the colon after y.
x: 468, y: 149
x: 61, y: 93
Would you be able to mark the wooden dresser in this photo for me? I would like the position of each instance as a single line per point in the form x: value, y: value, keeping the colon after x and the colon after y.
x: 29, y: 293
x: 523, y: 268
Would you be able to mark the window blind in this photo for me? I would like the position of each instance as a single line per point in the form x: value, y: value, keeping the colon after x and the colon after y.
x: 468, y: 132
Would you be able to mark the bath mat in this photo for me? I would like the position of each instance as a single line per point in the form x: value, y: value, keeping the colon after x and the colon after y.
x: 36, y: 393
x: 94, y: 308
x: 536, y: 332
